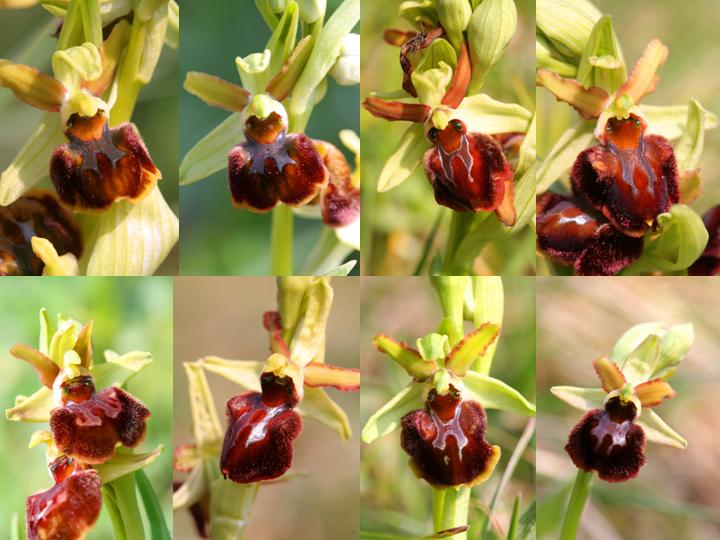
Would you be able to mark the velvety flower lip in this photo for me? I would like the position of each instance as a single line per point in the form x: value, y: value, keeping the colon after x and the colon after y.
x: 709, y: 262
x: 469, y: 172
x: 272, y: 166
x: 100, y: 165
x: 630, y: 177
x: 261, y: 430
x: 446, y: 441
x: 575, y: 234
x: 67, y: 510
x: 90, y: 429
x: 37, y: 213
x: 340, y: 199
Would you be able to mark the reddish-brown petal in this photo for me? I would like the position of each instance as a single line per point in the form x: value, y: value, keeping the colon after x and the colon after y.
x: 630, y: 178
x: 609, y: 373
x: 460, y: 80
x: 575, y: 235
x: 468, y: 171
x: 396, y: 110
x: 100, y: 165
x: 68, y: 510
x: 272, y: 167
x: 446, y: 442
x: 709, y: 262
x: 396, y: 37
x: 90, y: 430
x: 653, y: 392
x: 340, y: 199
x: 272, y: 322
x: 35, y: 214
x: 261, y: 430
x: 607, y: 443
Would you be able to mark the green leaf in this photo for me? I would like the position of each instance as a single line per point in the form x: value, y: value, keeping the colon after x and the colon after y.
x: 282, y: 41
x: 514, y: 518
x: 690, y: 146
x: 584, y: 399
x: 657, y: 431
x: 483, y: 114
x: 316, y: 404
x: 387, y: 419
x: 491, y: 28
x: 640, y: 363
x: 526, y: 529
x: 172, y: 34
x: 602, y: 63
x: 30, y: 165
x: 323, y: 55
x: 153, y: 510
x: 406, y: 158
x: 472, y: 348
x: 492, y: 393
x: 123, y: 463
x: 562, y: 155
x: 210, y: 154
x: 681, y: 240
x: 133, y: 239
x: 671, y: 121
x: 528, y: 151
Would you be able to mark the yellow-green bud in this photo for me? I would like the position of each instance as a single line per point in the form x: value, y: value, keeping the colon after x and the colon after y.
x: 491, y: 28
x: 454, y: 17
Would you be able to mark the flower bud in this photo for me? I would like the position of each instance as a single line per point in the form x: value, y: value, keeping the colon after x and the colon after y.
x: 454, y: 18
x: 312, y: 10
x: 346, y: 70
x: 491, y: 28
x: 567, y: 23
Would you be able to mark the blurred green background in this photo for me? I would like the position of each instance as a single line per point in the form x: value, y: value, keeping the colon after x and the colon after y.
x: 130, y: 314
x: 223, y: 317
x: 392, y: 498
x: 397, y: 223
x: 676, y: 495
x: 26, y: 38
x: 689, y: 29
x: 216, y: 238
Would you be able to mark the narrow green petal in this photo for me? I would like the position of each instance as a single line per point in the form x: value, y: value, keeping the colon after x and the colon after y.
x: 406, y: 158
x: 316, y: 404
x: 584, y: 399
x: 471, y: 348
x: 207, y: 430
x: 310, y: 335
x: 125, y: 463
x: 210, y: 154
x: 32, y: 162
x: 215, y: 91
x: 407, y: 358
x: 387, y: 419
x: 35, y: 408
x: 243, y: 372
x: 134, y: 239
x: 657, y: 431
x: 492, y: 393
x: 117, y: 370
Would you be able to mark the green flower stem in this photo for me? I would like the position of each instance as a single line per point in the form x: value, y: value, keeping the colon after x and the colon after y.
x: 327, y: 254
x: 124, y: 510
x: 578, y: 498
x: 281, y: 241
x: 429, y: 242
x: 450, y: 509
x: 458, y: 227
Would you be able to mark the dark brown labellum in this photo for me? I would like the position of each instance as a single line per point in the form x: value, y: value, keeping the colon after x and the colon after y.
x: 340, y: 199
x: 574, y: 234
x: 35, y: 214
x: 630, y: 177
x: 709, y: 262
x: 100, y: 165
x: 261, y: 430
x: 89, y: 430
x: 609, y: 442
x: 446, y: 441
x: 272, y: 166
x: 68, y: 509
x: 469, y: 172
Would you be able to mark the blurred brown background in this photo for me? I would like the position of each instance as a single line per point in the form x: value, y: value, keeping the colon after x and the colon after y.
x: 392, y: 498
x: 223, y: 317
x: 677, y: 493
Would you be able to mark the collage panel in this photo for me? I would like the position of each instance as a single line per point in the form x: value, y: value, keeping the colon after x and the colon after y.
x: 648, y: 474
x: 266, y: 437
x: 269, y: 138
x: 627, y: 143
x: 88, y: 138
x: 447, y: 405
x: 448, y: 137
x: 87, y: 393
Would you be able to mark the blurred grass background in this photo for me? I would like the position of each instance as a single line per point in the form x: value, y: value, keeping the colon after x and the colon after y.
x: 690, y: 32
x: 130, y: 314
x: 393, y: 500
x: 26, y: 38
x: 397, y: 223
x: 216, y: 238
x: 676, y: 494
x: 223, y: 317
